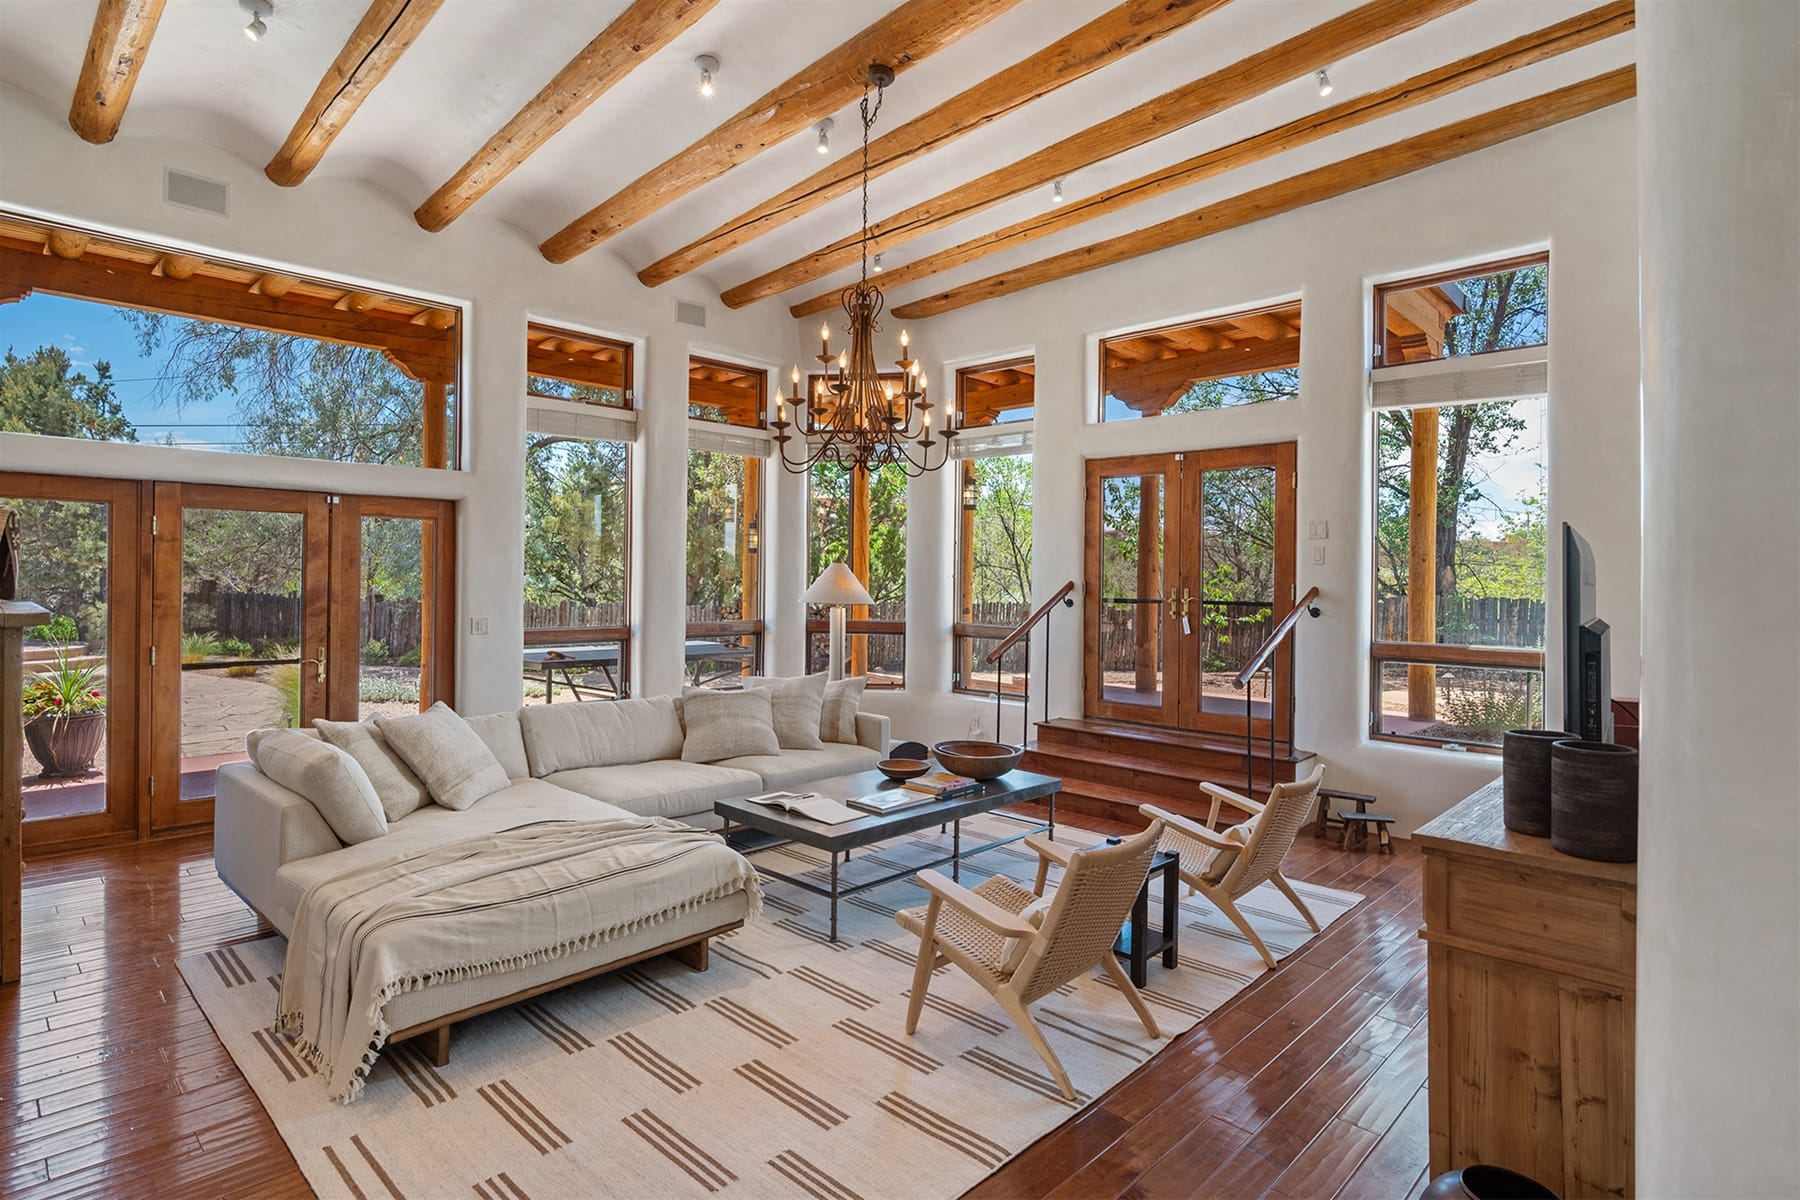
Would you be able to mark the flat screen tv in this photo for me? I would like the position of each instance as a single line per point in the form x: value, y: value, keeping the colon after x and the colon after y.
x: 1587, y: 674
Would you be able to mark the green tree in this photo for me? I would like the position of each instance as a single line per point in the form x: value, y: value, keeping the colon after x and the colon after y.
x: 42, y: 393
x: 715, y: 565
x: 576, y: 527
x: 1002, y: 543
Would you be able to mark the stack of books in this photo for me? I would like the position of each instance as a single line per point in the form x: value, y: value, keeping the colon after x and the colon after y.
x: 945, y: 786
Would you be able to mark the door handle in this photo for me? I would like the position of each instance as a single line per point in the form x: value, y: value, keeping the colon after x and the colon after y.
x: 318, y: 663
x: 1187, y: 601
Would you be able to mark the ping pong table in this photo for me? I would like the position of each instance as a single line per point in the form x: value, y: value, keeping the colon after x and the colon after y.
x: 571, y: 661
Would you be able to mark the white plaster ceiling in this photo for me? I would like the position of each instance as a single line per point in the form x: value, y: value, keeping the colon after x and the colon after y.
x: 478, y: 61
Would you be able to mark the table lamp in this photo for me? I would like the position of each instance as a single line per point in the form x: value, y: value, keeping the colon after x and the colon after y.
x: 838, y: 587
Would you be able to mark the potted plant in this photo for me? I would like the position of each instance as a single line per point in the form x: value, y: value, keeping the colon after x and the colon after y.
x: 65, y: 715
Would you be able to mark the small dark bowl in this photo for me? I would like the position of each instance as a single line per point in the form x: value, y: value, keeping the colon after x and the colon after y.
x: 902, y: 768
x: 978, y: 760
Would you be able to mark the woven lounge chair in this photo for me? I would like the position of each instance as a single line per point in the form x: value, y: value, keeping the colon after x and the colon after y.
x: 1225, y: 866
x: 1020, y: 946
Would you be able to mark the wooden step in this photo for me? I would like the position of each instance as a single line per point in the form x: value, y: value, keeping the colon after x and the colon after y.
x: 1152, y: 742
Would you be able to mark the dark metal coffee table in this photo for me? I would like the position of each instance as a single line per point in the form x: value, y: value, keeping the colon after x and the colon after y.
x: 751, y: 827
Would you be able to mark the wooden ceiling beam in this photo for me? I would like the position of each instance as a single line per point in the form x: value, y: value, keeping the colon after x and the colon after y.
x: 387, y: 29
x: 985, y: 404
x: 625, y: 44
x: 274, y: 286
x: 732, y: 399
x: 1583, y: 29
x: 423, y: 356
x: 1119, y: 31
x: 115, y: 54
x: 903, y: 38
x: 1162, y: 377
x: 1276, y: 66
x: 1336, y: 179
x: 575, y: 368
x: 66, y: 243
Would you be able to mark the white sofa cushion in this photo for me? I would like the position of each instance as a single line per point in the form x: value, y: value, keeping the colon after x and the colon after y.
x: 671, y: 788
x: 330, y: 780
x: 599, y: 733
x: 727, y: 724
x: 837, y: 716
x: 454, y: 764
x: 797, y: 705
x: 517, y: 804
x: 803, y: 766
x: 399, y: 789
x: 503, y: 735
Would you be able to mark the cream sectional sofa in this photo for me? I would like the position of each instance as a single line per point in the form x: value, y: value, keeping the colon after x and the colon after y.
x: 586, y: 761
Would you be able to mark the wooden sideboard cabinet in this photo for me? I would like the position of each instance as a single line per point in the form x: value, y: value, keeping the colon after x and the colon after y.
x: 1532, y: 992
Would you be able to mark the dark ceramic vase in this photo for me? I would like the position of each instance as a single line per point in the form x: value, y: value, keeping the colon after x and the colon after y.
x: 66, y: 745
x: 1525, y: 779
x: 1594, y: 800
x: 1485, y: 1183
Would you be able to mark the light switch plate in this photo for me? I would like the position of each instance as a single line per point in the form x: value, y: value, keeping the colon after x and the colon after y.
x: 478, y: 626
x: 1318, y: 556
x: 1318, y: 531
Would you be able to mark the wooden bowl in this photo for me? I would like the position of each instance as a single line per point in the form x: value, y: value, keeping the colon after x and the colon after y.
x: 978, y: 760
x: 903, y: 768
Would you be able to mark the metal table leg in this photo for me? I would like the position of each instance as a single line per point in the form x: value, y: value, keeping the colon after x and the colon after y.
x: 1171, y: 915
x: 834, y: 894
x: 956, y: 851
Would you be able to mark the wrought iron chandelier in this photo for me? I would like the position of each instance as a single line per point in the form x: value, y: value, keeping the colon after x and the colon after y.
x: 851, y: 414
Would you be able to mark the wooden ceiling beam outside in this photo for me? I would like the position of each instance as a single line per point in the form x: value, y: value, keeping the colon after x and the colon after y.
x: 385, y: 32
x: 901, y: 39
x: 423, y: 356
x: 625, y: 44
x: 1162, y: 379
x: 1583, y: 29
x: 575, y: 368
x: 1119, y: 31
x: 109, y: 69
x: 1276, y: 66
x: 983, y: 405
x: 1336, y: 179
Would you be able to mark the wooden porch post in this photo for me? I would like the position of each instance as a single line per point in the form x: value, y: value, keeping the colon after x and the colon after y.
x: 1147, y: 618
x: 1421, y: 562
x: 435, y: 426
x: 750, y: 514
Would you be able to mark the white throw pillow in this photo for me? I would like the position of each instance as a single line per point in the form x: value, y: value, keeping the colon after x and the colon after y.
x: 798, y: 706
x: 1017, y: 948
x: 506, y: 739
x: 399, y: 789
x: 1222, y: 860
x: 837, y: 715
x: 454, y: 764
x: 727, y: 725
x: 599, y: 733
x: 330, y: 780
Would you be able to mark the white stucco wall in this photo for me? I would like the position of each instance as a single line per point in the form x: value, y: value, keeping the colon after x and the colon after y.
x: 1571, y: 189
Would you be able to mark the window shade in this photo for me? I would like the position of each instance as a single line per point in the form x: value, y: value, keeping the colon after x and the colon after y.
x: 728, y: 439
x: 1454, y: 382
x: 590, y: 421
x: 992, y: 441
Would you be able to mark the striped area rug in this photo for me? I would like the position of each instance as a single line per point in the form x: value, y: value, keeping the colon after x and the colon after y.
x: 784, y: 1070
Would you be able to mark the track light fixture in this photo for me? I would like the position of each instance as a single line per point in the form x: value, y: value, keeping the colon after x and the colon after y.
x: 1056, y: 195
x: 258, y: 9
x: 824, y: 128
x: 875, y: 265
x: 1324, y: 82
x: 708, y: 66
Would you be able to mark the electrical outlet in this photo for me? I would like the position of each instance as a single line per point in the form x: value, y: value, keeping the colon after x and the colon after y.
x: 1318, y: 556
x: 478, y: 626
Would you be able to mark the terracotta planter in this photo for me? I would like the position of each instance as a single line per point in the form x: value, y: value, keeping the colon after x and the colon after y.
x: 1525, y: 779
x: 1594, y: 800
x: 66, y: 745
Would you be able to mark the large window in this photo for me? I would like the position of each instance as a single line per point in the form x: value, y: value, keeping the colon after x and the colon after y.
x: 724, y: 525
x: 577, y: 519
x: 117, y: 341
x: 1221, y: 362
x: 993, y: 542
x: 1460, y: 553
x: 858, y: 516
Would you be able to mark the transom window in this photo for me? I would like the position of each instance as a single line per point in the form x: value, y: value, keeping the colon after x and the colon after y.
x: 1221, y: 362
x: 561, y: 364
x: 727, y: 394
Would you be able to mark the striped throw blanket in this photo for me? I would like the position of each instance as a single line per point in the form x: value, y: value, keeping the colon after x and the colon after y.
x: 496, y: 902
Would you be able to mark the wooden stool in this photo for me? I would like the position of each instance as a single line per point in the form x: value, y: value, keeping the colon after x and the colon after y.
x: 1326, y: 818
x: 1357, y: 824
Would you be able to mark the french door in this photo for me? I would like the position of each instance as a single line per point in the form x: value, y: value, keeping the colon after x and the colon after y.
x: 272, y: 608
x: 1190, y: 562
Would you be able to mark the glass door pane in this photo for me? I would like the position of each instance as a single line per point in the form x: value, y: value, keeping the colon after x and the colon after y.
x: 1132, y: 524
x: 393, y: 652
x: 1234, y: 609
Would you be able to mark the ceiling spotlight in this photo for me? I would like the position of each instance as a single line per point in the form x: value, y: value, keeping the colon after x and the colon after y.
x: 708, y: 66
x: 824, y: 128
x: 258, y: 9
x: 1056, y: 196
x: 1324, y: 82
x: 875, y: 264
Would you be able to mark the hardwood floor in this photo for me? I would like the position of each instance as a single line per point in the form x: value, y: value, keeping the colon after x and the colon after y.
x: 1310, y: 1083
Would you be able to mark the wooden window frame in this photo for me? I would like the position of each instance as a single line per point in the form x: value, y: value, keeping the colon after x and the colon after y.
x: 544, y: 365
x: 759, y: 374
x: 1011, y: 364
x: 1378, y: 347
x: 1273, y: 356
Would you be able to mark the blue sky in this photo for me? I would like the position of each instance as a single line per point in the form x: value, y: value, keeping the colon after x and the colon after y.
x: 91, y: 333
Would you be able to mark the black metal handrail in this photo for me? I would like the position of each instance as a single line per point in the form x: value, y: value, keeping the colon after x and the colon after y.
x: 1063, y: 595
x: 1263, y: 660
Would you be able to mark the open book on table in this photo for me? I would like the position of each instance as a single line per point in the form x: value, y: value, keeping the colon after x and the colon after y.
x: 810, y: 805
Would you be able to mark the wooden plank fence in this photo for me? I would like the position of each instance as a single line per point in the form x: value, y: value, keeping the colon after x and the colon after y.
x: 1469, y: 621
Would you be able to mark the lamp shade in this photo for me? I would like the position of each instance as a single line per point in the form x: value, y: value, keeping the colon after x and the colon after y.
x: 837, y: 584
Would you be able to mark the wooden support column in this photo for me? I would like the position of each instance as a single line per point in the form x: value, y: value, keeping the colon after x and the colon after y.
x: 965, y: 574
x: 1147, y: 622
x: 435, y: 452
x: 856, y: 660
x: 1421, y: 562
x: 14, y: 617
x: 749, y: 516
